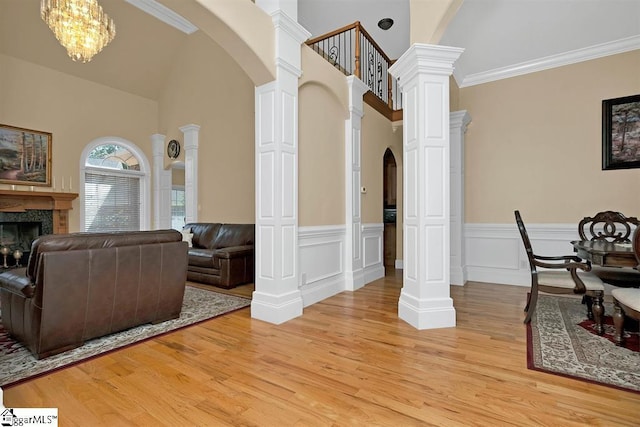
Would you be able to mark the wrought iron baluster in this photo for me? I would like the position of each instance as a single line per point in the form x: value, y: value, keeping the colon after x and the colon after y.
x: 352, y: 50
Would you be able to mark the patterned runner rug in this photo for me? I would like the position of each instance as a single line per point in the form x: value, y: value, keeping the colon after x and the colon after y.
x: 17, y: 364
x: 558, y: 344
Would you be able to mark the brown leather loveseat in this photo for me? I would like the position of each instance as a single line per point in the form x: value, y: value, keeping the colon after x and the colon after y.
x: 221, y: 254
x: 81, y: 286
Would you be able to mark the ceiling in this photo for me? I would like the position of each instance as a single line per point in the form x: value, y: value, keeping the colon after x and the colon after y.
x: 501, y: 37
x: 135, y: 61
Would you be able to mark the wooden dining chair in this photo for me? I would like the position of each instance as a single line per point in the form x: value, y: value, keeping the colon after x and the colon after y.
x: 612, y: 227
x: 626, y: 301
x: 559, y: 275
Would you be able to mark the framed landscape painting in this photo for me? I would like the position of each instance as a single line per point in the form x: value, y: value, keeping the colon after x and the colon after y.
x: 621, y: 133
x: 25, y: 156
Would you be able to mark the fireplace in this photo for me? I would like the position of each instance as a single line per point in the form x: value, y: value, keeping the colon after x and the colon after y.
x: 25, y: 215
x: 18, y: 236
x: 49, y: 208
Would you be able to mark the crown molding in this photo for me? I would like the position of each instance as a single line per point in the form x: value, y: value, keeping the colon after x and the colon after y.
x: 553, y: 61
x: 166, y: 15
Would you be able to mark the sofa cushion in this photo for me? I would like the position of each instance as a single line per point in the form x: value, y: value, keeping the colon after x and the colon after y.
x: 204, y: 233
x: 201, y: 257
x: 78, y: 241
x: 187, y: 236
x: 234, y: 235
x: 203, y: 270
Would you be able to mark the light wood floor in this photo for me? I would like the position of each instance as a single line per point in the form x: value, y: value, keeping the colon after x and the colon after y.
x: 348, y: 361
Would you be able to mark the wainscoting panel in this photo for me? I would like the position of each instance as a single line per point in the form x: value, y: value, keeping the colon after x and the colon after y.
x: 321, y: 262
x: 322, y: 272
x: 495, y: 253
x: 372, y: 236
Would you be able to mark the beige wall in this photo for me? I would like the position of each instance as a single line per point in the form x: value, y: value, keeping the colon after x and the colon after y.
x: 244, y: 30
x: 177, y: 176
x: 209, y: 89
x: 75, y: 111
x: 320, y: 157
x: 454, y: 95
x: 535, y: 144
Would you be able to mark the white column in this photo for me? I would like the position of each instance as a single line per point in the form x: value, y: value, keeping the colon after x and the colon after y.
x: 277, y: 296
x: 354, y: 272
x: 191, y: 134
x: 161, y: 185
x: 423, y: 72
x: 458, y: 122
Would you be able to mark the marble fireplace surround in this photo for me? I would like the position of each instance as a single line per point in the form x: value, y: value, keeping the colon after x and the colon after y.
x: 27, y: 206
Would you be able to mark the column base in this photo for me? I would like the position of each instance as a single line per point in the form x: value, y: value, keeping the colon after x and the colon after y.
x: 429, y: 313
x: 458, y: 276
x: 353, y: 280
x: 276, y: 309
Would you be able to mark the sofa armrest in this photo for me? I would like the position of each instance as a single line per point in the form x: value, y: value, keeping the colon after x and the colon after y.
x: 16, y: 282
x: 234, y: 252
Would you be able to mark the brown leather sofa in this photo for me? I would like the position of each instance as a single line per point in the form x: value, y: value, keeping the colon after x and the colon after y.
x: 81, y: 286
x: 221, y: 254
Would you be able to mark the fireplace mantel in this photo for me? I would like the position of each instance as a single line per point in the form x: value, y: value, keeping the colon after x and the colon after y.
x: 22, y: 201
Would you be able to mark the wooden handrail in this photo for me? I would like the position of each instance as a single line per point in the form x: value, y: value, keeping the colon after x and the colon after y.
x: 332, y: 33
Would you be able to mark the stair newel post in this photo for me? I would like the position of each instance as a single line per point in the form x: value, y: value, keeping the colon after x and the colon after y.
x: 357, y: 59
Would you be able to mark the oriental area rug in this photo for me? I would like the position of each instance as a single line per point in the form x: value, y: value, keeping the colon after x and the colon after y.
x: 17, y: 364
x: 561, y: 342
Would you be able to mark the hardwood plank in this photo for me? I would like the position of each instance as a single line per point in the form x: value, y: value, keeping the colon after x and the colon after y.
x: 348, y: 360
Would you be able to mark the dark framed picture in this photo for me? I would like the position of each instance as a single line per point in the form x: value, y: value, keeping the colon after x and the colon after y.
x: 173, y: 149
x: 25, y: 156
x: 621, y: 133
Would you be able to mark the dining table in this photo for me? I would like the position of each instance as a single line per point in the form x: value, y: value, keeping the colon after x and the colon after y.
x: 606, y: 254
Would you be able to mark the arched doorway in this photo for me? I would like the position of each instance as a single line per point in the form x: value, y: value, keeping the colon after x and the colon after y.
x: 390, y: 185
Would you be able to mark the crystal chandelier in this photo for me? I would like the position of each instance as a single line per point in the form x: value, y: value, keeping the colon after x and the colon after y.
x: 81, y: 26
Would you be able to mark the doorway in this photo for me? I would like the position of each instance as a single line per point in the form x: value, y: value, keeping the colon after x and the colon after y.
x: 390, y: 185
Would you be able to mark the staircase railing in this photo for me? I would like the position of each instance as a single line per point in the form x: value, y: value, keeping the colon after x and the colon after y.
x: 354, y: 52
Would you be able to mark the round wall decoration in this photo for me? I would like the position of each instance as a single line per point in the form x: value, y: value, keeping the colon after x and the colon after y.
x: 173, y: 149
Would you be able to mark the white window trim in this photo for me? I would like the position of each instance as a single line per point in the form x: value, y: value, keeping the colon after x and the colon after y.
x: 145, y: 177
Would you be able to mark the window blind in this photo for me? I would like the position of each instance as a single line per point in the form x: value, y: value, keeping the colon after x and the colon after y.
x: 178, y: 210
x: 112, y: 202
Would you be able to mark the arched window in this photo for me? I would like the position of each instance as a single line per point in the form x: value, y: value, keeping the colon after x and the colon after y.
x: 114, y: 186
